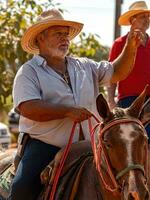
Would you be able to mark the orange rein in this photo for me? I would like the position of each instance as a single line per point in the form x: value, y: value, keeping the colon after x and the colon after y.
x: 64, y: 156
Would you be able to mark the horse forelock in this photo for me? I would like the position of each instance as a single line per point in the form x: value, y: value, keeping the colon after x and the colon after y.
x: 119, y: 113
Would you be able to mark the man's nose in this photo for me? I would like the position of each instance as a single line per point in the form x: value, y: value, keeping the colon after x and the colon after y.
x: 64, y: 36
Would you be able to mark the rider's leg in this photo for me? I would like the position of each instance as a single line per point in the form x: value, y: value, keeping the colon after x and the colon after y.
x: 126, y: 102
x: 26, y: 184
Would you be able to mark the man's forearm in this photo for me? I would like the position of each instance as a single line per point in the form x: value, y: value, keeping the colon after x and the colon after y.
x: 39, y: 110
x: 124, y: 64
x: 111, y: 90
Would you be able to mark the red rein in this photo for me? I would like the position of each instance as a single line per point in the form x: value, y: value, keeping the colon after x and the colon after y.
x: 66, y: 151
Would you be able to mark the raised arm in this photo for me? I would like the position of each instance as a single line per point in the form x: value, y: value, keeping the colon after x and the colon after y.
x: 124, y: 63
x: 111, y: 95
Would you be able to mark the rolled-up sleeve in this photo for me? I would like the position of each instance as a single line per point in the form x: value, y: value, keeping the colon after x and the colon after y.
x: 26, y: 86
x: 102, y: 71
x: 105, y: 72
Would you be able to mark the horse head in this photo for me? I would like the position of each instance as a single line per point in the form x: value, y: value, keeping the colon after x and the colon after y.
x: 123, y: 141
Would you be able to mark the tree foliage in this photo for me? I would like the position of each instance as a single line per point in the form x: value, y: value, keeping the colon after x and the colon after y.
x: 16, y: 16
x: 89, y: 46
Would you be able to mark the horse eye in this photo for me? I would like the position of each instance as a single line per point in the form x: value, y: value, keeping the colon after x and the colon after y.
x: 145, y: 181
x: 107, y: 145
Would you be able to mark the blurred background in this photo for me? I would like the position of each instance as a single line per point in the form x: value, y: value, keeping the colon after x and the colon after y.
x: 100, y: 29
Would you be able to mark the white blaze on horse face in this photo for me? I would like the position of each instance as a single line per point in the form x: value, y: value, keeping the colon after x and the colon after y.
x: 132, y: 181
x: 127, y: 136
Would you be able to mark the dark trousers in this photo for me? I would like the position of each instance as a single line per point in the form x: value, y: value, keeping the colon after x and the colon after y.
x: 126, y: 102
x: 26, y: 184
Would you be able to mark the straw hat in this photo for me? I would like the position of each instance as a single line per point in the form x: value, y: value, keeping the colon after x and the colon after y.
x: 47, y: 19
x: 136, y: 8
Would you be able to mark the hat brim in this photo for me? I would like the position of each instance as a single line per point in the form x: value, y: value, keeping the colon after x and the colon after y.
x: 28, y: 41
x: 125, y: 18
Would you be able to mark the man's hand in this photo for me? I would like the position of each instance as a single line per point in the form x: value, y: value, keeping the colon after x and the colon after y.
x: 135, y: 38
x: 78, y: 114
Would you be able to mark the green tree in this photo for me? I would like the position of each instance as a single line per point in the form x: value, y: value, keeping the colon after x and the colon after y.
x: 89, y: 46
x: 15, y: 17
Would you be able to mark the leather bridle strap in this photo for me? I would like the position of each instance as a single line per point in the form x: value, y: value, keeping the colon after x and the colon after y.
x: 121, y: 121
x: 130, y: 167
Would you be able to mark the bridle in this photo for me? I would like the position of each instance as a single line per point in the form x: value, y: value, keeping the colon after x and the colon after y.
x: 102, y: 149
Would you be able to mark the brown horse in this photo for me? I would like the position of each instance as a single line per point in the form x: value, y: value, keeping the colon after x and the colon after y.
x: 118, y: 168
x: 128, y: 140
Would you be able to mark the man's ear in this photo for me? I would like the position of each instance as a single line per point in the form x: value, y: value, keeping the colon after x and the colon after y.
x: 40, y: 38
x: 132, y: 20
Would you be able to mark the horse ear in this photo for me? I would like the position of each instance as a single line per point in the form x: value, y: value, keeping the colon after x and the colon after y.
x: 136, y: 107
x: 103, y: 108
x: 145, y: 113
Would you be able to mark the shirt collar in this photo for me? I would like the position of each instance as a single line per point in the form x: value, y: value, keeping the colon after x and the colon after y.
x: 40, y: 60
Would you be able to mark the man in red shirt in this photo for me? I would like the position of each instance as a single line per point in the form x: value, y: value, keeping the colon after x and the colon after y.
x: 138, y: 17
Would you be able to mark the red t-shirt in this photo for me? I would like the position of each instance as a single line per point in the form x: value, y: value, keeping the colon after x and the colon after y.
x: 134, y: 84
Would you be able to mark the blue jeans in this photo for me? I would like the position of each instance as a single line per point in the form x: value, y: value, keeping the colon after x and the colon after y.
x: 126, y: 102
x: 26, y: 184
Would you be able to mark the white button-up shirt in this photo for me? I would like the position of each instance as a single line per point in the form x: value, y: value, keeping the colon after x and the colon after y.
x: 36, y: 80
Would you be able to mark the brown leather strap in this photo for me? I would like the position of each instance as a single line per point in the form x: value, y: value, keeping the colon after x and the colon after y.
x: 22, y: 141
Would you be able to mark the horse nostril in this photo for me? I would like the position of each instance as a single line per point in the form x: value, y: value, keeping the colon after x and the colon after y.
x: 133, y: 196
x: 130, y: 197
x: 146, y: 196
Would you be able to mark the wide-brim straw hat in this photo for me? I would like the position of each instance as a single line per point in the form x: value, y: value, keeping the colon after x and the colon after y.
x: 136, y: 8
x: 47, y: 19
